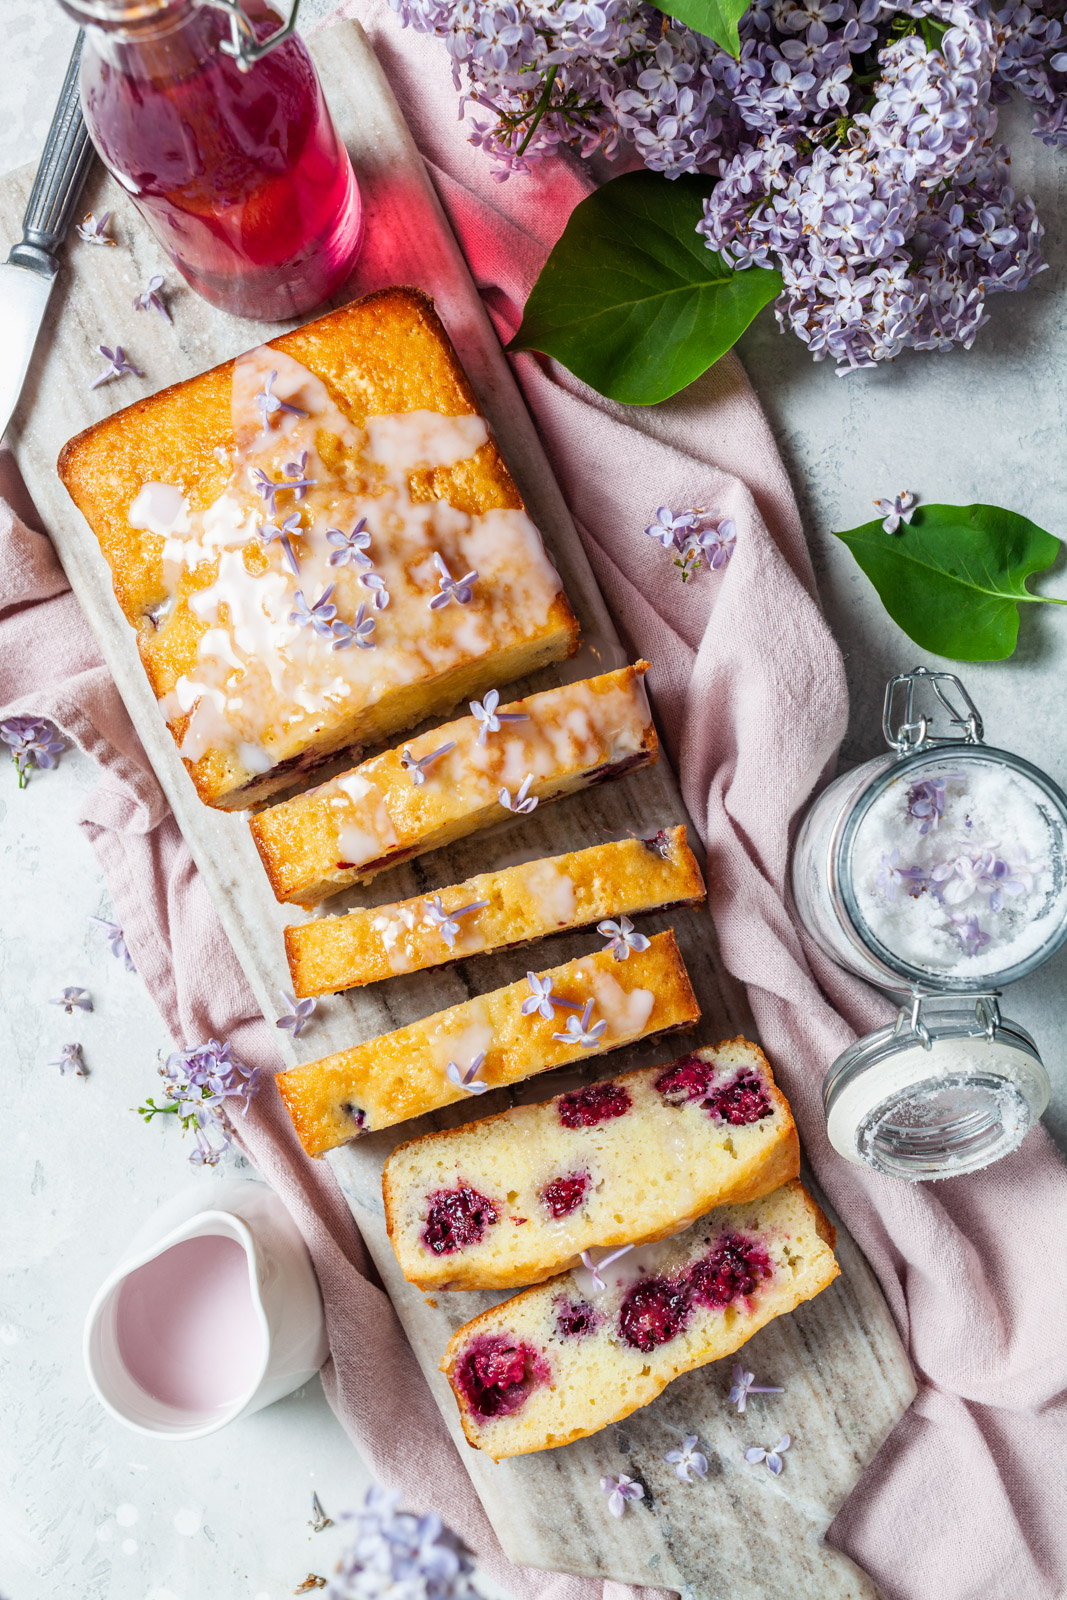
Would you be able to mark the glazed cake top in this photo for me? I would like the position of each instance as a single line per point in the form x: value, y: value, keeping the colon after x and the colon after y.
x: 316, y: 505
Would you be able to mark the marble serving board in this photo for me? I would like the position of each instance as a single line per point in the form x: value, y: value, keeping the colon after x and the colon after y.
x: 845, y: 1375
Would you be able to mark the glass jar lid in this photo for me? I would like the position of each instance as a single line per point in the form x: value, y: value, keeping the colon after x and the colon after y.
x: 948, y: 1088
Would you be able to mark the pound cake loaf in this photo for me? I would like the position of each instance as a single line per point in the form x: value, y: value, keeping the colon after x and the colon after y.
x: 454, y: 780
x: 495, y: 911
x: 586, y: 1349
x: 516, y: 1198
x: 548, y: 1020
x: 318, y: 545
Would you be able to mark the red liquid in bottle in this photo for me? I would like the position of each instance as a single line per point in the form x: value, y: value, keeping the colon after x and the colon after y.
x: 241, y: 175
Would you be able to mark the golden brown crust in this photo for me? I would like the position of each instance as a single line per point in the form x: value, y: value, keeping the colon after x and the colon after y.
x: 388, y: 352
x: 518, y: 905
x: 300, y: 840
x: 402, y: 1075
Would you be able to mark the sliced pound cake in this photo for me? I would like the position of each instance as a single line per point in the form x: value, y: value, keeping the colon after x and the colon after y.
x: 456, y: 779
x: 567, y: 1358
x: 318, y: 545
x: 495, y: 911
x: 516, y: 1198
x: 551, y: 1019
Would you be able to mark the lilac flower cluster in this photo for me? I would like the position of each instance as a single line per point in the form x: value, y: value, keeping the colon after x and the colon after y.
x: 33, y: 742
x: 197, y: 1084
x: 853, y: 140
x: 397, y: 1553
x: 694, y: 536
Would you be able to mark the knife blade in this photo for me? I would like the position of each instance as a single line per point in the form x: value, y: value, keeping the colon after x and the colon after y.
x: 29, y: 273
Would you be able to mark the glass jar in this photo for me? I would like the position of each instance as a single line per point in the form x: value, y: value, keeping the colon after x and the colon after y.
x: 947, y: 1088
x: 940, y: 865
x: 212, y: 119
x: 937, y: 870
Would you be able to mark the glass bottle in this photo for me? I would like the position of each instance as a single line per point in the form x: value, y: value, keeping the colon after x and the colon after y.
x: 213, y: 120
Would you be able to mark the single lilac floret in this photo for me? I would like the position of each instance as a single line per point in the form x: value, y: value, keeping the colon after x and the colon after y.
x: 926, y: 804
x: 772, y: 1458
x: 580, y: 1033
x: 92, y: 230
x: 522, y: 803
x: 744, y: 1384
x: 33, y: 742
x: 284, y: 532
x: 669, y: 527
x: 319, y: 616
x: 376, y: 584
x: 468, y: 1080
x: 900, y: 509
x: 70, y: 1060
x: 151, y: 299
x: 349, y: 546
x: 73, y: 1000
x: 970, y: 936
x: 542, y: 999
x: 486, y: 714
x: 118, y: 366
x: 594, y: 1267
x: 418, y: 765
x: 892, y: 877
x: 716, y: 544
x: 116, y: 941
x: 445, y: 921
x: 269, y: 403
x: 688, y: 1460
x: 458, y: 589
x: 360, y: 632
x: 620, y: 1491
x: 296, y: 479
x: 622, y: 938
x: 296, y: 1019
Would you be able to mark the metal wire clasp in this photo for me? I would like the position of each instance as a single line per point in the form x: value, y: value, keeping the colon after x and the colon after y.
x: 908, y: 729
x: 911, y: 1020
x: 242, y: 44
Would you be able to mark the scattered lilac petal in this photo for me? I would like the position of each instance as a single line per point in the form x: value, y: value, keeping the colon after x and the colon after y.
x: 468, y: 1080
x: 622, y: 938
x: 486, y: 714
x: 418, y: 765
x: 269, y: 403
x: 70, y: 1059
x: 898, y: 510
x: 296, y: 1019
x: 578, y: 1031
x: 72, y: 1000
x: 119, y: 366
x: 744, y: 1384
x: 620, y: 1491
x: 151, y: 299
x: 688, y: 1460
x: 458, y: 589
x: 594, y: 1267
x: 93, y: 230
x: 116, y: 941
x: 523, y: 802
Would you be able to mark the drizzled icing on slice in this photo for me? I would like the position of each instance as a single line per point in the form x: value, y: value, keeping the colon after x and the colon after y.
x: 262, y: 686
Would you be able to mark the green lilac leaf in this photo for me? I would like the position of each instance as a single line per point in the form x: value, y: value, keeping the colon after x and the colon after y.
x: 954, y: 579
x: 717, y: 19
x: 631, y: 300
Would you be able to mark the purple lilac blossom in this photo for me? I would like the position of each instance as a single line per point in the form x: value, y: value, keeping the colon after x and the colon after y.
x: 620, y: 1491
x: 33, y: 742
x: 72, y: 1000
x: 116, y: 941
x: 70, y: 1059
x: 892, y: 877
x: 622, y: 938
x: 299, y: 1014
x: 900, y: 509
x: 198, y: 1082
x: 578, y: 1030
x: 151, y: 299
x: 269, y: 403
x: 418, y: 765
x: 771, y: 1458
x: 349, y: 546
x: 745, y: 1384
x: 688, y: 1460
x: 970, y: 936
x: 319, y: 616
x: 93, y: 230
x: 926, y: 804
x: 119, y: 365
x: 394, y: 1552
x: 852, y: 148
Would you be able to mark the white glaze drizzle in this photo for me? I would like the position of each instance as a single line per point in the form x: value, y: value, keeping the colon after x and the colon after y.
x: 261, y: 684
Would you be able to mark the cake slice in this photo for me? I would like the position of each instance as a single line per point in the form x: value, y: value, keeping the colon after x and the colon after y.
x: 516, y: 1198
x: 449, y: 782
x: 494, y: 911
x: 586, y: 1349
x: 278, y: 527
x: 592, y: 1005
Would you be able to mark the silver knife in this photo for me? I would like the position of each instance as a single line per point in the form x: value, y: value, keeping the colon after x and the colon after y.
x: 27, y: 276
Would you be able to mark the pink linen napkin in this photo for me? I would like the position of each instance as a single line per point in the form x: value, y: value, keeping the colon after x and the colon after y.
x: 967, y: 1497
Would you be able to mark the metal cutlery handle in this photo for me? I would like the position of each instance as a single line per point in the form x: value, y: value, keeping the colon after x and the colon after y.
x: 68, y: 154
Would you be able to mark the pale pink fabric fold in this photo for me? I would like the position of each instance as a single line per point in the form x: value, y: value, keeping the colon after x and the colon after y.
x: 968, y: 1497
